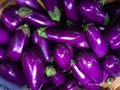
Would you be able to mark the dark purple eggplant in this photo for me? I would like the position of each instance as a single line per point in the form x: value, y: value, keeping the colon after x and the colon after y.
x: 53, y: 8
x: 3, y: 54
x: 43, y: 44
x: 70, y: 9
x: 18, y: 43
x: 71, y: 49
x: 5, y: 35
x: 55, y: 75
x: 34, y: 18
x: 44, y: 80
x: 11, y: 72
x: 89, y: 65
x: 33, y: 67
x: 69, y: 36
x: 96, y: 40
x: 105, y: 74
x: 111, y: 63
x: 48, y: 86
x: 62, y: 56
x: 89, y: 10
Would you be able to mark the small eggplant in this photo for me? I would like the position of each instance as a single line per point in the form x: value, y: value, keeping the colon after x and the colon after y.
x: 62, y: 56
x: 3, y: 54
x: 105, y: 74
x: 43, y: 44
x: 96, y: 40
x: 71, y: 49
x: 18, y: 43
x: 34, y: 18
x: 53, y: 8
x: 68, y: 36
x: 11, y: 72
x: 33, y: 67
x: 89, y: 65
x: 70, y: 9
x: 111, y: 63
x: 48, y: 86
x: 55, y: 75
x: 89, y: 10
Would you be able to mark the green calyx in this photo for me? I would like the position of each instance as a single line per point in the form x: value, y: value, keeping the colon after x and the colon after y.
x: 50, y: 71
x: 25, y: 29
x: 72, y: 61
x: 86, y: 26
x: 41, y: 32
x: 109, y: 80
x: 107, y: 20
x: 69, y: 23
x: 55, y: 15
x: 102, y: 1
x: 24, y: 11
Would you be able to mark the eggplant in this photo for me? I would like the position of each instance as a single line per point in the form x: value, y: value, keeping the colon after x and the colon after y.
x: 48, y: 87
x: 53, y: 8
x: 62, y: 56
x: 96, y: 40
x: 82, y: 44
x: 43, y: 44
x: 18, y: 43
x: 44, y: 80
x: 33, y: 67
x: 105, y: 74
x: 11, y: 72
x: 91, y: 11
x: 71, y: 49
x: 89, y: 65
x: 55, y: 75
x: 111, y: 63
x: 9, y: 20
x: 34, y: 18
x: 68, y: 36
x: 5, y: 35
x: 70, y: 9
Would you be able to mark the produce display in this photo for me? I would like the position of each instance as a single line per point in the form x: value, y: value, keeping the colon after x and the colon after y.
x: 68, y: 45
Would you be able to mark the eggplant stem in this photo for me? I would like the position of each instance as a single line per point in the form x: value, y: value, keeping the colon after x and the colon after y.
x: 109, y: 80
x: 41, y: 32
x: 50, y: 71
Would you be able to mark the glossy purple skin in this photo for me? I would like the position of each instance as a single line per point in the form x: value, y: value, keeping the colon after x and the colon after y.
x: 33, y: 66
x: 17, y: 45
x: 70, y: 9
x: 97, y: 41
x: 3, y: 54
x: 89, y: 65
x: 11, y: 72
x: 111, y: 63
x: 80, y: 76
x: 5, y: 35
x: 47, y: 87
x: 105, y: 75
x: 71, y: 49
x: 89, y: 10
x: 62, y: 56
x: 9, y: 20
x: 58, y: 78
x: 43, y: 44
x: 64, y: 36
x: 82, y: 45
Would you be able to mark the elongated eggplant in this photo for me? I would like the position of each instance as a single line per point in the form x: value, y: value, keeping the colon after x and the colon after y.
x: 111, y: 63
x: 62, y: 56
x: 69, y: 36
x: 89, y: 65
x: 33, y: 67
x: 70, y: 9
x: 71, y: 49
x: 53, y: 8
x: 34, y: 18
x: 11, y: 72
x: 55, y: 75
x: 18, y: 43
x: 43, y: 44
x: 89, y: 10
x: 97, y: 41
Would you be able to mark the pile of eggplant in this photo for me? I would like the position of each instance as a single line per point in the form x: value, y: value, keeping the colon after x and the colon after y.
x: 69, y: 45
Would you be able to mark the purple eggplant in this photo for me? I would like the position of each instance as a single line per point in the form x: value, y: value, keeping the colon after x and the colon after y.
x: 70, y: 9
x: 44, y: 80
x: 71, y: 49
x: 55, y: 75
x: 111, y: 63
x: 62, y: 56
x: 96, y: 40
x: 33, y: 67
x: 89, y: 65
x: 82, y: 45
x: 53, y: 8
x: 18, y: 43
x: 69, y: 36
x: 105, y: 74
x: 11, y: 72
x: 48, y: 87
x: 9, y: 20
x: 89, y: 10
x: 34, y: 18
x: 43, y: 44
x: 5, y: 35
